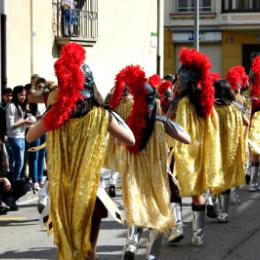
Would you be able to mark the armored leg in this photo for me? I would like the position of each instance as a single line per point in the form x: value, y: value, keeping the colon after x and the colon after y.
x: 234, y: 196
x: 212, y: 205
x: 130, y: 249
x: 113, y: 183
x: 253, y: 184
x: 224, y: 200
x: 176, y: 234
x: 155, y: 243
x: 198, y: 224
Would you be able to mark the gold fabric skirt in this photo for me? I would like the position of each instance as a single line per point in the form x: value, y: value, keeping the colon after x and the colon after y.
x: 254, y: 134
x: 197, y: 165
x: 145, y: 185
x: 115, y: 150
x: 75, y: 157
x: 233, y: 148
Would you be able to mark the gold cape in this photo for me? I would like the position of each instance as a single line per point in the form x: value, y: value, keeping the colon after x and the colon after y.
x: 254, y: 133
x: 145, y: 184
x: 75, y: 157
x: 197, y: 165
x: 115, y: 150
x: 232, y: 146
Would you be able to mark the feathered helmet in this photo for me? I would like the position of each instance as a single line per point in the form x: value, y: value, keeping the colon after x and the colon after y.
x: 142, y: 115
x: 195, y: 69
x: 215, y: 76
x: 154, y: 80
x: 254, y: 78
x: 237, y: 78
x: 120, y: 88
x: 165, y: 92
x: 71, y: 78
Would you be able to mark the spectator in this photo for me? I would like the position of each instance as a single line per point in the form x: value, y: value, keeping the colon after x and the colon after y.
x: 6, y: 98
x: 36, y: 158
x: 70, y: 17
x: 16, y: 123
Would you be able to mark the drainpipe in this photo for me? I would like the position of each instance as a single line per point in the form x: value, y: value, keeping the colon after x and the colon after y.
x: 32, y: 45
x: 3, y: 46
x: 160, y: 37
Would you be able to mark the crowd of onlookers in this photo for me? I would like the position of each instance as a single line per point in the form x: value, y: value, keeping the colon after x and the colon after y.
x: 21, y: 170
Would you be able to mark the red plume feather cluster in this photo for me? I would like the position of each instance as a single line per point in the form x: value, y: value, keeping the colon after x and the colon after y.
x: 236, y: 76
x: 162, y: 89
x: 135, y: 80
x: 70, y: 83
x: 255, y: 85
x: 200, y: 62
x: 215, y: 76
x: 154, y: 80
x: 118, y: 88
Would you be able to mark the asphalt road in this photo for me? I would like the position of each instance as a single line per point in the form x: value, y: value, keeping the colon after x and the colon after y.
x: 22, y: 238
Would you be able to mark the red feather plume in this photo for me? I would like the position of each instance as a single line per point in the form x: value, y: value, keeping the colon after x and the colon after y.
x: 154, y: 80
x: 215, y: 76
x: 200, y: 62
x: 255, y: 85
x: 164, y: 100
x: 236, y: 76
x: 118, y: 89
x: 135, y: 80
x: 70, y: 83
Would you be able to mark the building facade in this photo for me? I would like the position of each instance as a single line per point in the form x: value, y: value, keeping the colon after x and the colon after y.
x: 114, y: 33
x: 229, y: 32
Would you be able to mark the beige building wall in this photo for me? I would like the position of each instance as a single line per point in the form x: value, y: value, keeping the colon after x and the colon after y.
x: 124, y: 37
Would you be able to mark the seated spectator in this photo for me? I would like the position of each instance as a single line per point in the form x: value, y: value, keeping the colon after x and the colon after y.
x: 5, y: 186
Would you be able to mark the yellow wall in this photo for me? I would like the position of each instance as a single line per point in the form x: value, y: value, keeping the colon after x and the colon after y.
x: 169, y: 64
x: 232, y: 52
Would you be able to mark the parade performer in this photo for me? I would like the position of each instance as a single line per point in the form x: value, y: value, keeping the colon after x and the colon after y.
x: 238, y: 80
x: 254, y: 132
x: 232, y: 144
x: 196, y: 166
x: 76, y: 126
x: 144, y: 179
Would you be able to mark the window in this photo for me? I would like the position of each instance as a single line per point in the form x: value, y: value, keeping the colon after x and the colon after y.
x: 240, y: 5
x: 184, y: 6
x: 75, y: 18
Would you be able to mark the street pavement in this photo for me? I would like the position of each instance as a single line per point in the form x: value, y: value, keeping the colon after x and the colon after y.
x: 21, y: 236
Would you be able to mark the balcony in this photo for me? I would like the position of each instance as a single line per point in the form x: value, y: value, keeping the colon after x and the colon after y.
x: 78, y: 23
x: 240, y: 6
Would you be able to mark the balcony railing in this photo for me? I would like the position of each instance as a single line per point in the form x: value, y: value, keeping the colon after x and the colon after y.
x: 240, y: 6
x: 77, y: 23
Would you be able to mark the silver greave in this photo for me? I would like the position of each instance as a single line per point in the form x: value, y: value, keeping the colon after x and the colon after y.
x: 253, y: 185
x: 235, y: 196
x: 155, y: 243
x: 176, y: 233
x: 131, y: 247
x: 212, y: 205
x: 114, y: 178
x: 224, y: 200
x: 198, y: 227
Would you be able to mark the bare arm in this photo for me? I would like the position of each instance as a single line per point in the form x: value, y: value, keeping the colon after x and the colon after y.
x: 174, y: 130
x: 121, y: 132
x: 35, y: 131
